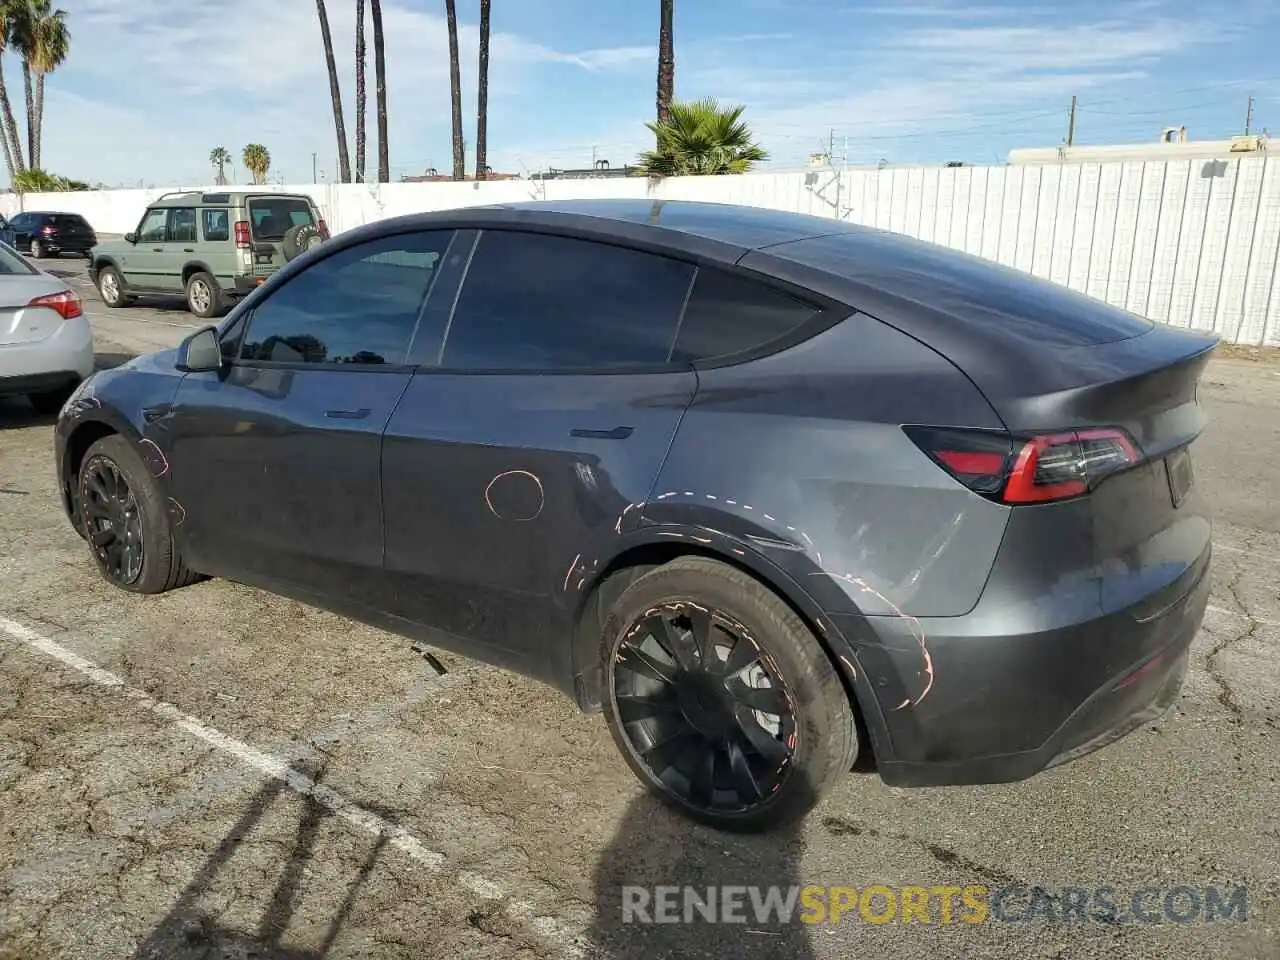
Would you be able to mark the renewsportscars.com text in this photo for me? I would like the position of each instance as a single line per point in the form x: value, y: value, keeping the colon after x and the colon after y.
x: 943, y: 904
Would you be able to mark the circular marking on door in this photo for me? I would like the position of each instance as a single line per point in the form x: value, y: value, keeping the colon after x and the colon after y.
x: 515, y: 495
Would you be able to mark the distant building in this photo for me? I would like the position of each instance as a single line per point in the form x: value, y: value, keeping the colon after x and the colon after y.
x: 432, y: 175
x: 601, y: 169
x: 1172, y: 145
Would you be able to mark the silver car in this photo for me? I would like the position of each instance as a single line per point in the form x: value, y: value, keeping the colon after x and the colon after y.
x: 46, y: 345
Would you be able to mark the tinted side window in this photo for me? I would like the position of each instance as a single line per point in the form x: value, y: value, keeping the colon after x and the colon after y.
x: 359, y: 305
x: 534, y: 301
x: 153, y: 227
x: 182, y: 225
x: 730, y: 314
x: 215, y: 225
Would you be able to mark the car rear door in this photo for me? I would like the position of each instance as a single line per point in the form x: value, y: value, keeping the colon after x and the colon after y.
x: 276, y: 459
x: 511, y: 466
x: 178, y: 249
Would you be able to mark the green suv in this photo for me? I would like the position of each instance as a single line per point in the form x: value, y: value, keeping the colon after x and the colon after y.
x: 213, y: 248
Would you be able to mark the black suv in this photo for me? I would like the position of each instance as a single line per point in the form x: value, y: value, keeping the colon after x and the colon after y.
x: 44, y: 234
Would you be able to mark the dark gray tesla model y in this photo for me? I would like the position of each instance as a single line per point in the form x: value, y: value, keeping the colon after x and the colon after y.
x: 770, y: 491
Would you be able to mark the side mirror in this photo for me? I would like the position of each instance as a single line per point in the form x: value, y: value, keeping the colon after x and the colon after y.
x: 201, y: 352
x: 130, y: 238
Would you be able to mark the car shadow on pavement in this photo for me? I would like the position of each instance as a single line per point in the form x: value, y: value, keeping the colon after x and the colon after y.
x: 16, y: 413
x: 656, y: 847
x: 188, y: 932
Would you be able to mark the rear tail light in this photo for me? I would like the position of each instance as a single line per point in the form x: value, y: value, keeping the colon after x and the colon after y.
x: 66, y: 303
x: 47, y: 230
x: 1036, y: 469
x: 242, y: 233
x: 323, y: 228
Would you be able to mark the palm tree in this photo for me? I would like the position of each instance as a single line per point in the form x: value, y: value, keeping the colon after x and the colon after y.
x: 9, y: 19
x: 701, y: 138
x: 482, y: 95
x: 45, y: 42
x: 361, y: 92
x: 380, y: 79
x: 455, y: 90
x: 335, y: 94
x: 257, y: 160
x: 220, y: 157
x: 666, y: 59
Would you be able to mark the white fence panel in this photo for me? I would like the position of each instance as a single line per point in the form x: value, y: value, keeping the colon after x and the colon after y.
x: 1193, y: 243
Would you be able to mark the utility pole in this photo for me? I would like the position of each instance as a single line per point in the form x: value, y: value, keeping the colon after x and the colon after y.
x: 1248, y: 118
x: 314, y: 176
x: 1071, y: 123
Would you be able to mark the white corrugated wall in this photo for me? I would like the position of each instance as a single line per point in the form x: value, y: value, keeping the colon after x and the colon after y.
x: 1188, y: 242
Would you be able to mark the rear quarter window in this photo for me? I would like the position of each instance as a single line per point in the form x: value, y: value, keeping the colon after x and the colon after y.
x: 729, y: 314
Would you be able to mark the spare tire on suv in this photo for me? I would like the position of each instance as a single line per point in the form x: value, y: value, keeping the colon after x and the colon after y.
x: 299, y: 239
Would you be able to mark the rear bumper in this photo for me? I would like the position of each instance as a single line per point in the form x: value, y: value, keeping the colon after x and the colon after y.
x: 62, y: 358
x: 960, y: 703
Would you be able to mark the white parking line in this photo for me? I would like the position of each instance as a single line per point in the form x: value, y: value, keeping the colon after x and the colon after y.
x: 548, y: 927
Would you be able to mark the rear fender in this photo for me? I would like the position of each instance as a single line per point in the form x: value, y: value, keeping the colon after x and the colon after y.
x: 653, y: 544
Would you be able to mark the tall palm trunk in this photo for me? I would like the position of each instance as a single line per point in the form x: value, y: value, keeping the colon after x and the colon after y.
x: 666, y: 60
x: 455, y: 91
x: 361, y: 92
x: 13, y: 139
x: 335, y: 93
x: 380, y: 81
x: 37, y: 142
x: 31, y: 114
x: 482, y: 94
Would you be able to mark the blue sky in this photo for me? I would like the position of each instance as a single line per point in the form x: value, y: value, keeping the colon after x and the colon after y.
x: 153, y: 85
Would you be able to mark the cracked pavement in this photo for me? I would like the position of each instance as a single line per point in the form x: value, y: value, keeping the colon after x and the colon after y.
x: 121, y: 835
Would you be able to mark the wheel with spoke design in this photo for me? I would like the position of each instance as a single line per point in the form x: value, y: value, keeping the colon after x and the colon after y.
x: 721, y: 699
x: 124, y: 518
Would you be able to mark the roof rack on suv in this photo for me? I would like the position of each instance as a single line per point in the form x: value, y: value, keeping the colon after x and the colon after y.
x: 171, y: 193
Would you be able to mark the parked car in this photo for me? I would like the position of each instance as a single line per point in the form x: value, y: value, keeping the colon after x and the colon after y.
x: 6, y: 232
x: 44, y: 234
x: 212, y: 248
x: 46, y: 346
x: 769, y: 490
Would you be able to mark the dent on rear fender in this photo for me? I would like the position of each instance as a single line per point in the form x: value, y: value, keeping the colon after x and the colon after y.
x: 802, y: 456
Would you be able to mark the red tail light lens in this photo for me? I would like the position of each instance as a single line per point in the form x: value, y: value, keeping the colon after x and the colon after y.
x: 48, y: 230
x: 242, y: 233
x: 1027, y: 470
x: 66, y: 303
x: 323, y: 228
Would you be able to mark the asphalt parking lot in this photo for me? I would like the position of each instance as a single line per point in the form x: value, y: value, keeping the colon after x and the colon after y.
x: 219, y: 773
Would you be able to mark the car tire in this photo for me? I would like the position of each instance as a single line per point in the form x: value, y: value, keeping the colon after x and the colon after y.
x: 204, y: 296
x: 122, y: 509
x: 111, y: 288
x: 50, y: 401
x: 38, y: 251
x: 693, y: 720
x: 298, y: 239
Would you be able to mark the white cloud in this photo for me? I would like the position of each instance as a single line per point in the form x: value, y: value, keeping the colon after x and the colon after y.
x: 170, y: 80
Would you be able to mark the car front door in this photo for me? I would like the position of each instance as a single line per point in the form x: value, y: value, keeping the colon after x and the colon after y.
x: 276, y: 459
x: 510, y: 468
x: 143, y: 264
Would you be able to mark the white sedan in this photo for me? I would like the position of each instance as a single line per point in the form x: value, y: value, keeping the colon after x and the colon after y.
x: 46, y: 345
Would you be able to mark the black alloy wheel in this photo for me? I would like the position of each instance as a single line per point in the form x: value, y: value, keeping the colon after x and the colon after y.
x: 721, y: 699
x: 702, y: 709
x: 113, y: 520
